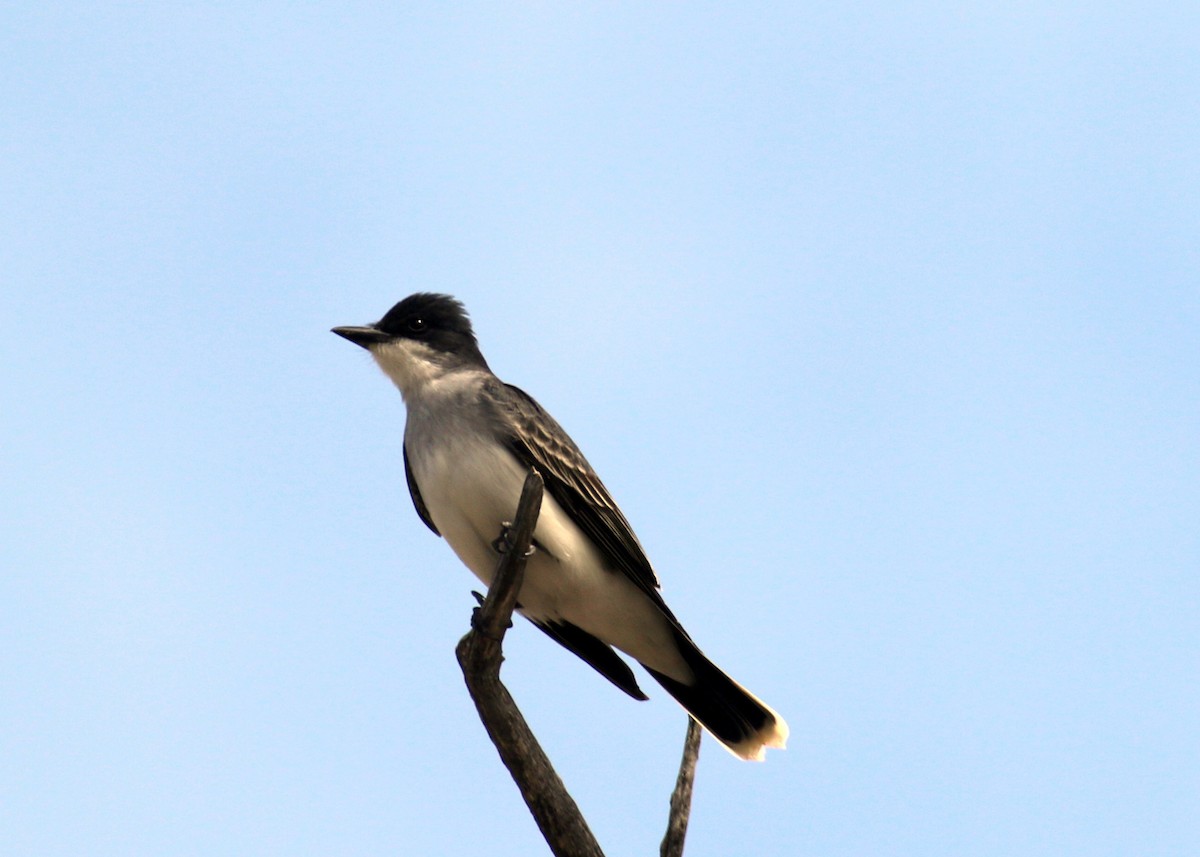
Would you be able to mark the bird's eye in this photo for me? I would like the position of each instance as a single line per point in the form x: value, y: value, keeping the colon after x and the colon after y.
x: 416, y: 324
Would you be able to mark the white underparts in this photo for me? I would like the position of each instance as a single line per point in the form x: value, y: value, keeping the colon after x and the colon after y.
x: 471, y: 484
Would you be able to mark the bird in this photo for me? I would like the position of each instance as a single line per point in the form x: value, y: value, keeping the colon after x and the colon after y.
x: 469, y: 441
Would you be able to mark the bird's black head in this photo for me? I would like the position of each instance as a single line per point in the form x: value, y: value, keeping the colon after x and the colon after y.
x: 438, y: 321
x: 428, y: 318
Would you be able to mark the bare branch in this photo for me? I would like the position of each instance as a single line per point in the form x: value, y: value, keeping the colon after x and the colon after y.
x: 681, y: 798
x: 479, y: 655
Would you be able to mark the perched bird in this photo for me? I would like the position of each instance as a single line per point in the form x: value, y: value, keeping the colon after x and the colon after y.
x: 469, y: 441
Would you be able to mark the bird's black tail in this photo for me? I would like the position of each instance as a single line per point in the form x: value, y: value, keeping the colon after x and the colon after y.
x: 735, y: 717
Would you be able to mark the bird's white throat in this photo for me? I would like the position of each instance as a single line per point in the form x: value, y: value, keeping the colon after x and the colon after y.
x: 411, y: 365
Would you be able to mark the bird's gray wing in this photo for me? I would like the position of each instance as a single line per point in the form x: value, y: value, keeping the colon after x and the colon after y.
x: 415, y: 493
x: 533, y: 436
x: 595, y: 652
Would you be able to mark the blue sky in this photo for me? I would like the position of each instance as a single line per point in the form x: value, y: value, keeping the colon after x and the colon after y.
x: 880, y: 322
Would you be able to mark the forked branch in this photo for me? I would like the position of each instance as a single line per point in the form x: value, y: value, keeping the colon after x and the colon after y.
x: 480, y: 656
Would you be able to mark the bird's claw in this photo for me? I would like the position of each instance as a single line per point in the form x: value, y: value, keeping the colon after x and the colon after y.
x: 504, y: 542
x: 477, y: 623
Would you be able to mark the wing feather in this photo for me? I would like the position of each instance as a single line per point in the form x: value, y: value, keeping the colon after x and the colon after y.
x: 595, y: 652
x: 415, y: 492
x: 534, y: 437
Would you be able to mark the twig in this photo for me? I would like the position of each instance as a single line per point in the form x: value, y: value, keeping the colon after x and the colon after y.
x: 681, y: 798
x: 479, y: 655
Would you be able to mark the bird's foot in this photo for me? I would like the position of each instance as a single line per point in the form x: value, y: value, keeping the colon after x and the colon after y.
x: 479, y: 598
x: 504, y: 543
x: 477, y: 624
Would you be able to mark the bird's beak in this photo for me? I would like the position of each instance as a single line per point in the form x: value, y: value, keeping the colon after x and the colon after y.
x: 364, y: 336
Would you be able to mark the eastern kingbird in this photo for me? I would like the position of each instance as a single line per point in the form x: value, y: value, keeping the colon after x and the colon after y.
x: 469, y: 442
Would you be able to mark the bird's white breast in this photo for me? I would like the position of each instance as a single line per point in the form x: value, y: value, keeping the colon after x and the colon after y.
x: 471, y: 485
